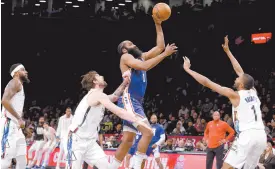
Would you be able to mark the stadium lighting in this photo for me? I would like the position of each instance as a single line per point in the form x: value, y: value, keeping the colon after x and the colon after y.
x: 68, y: 2
x: 75, y: 6
x: 121, y: 4
x: 109, y: 0
x: 80, y: 0
x: 37, y: 4
x: 128, y: 1
x: 42, y: 1
x: 116, y: 7
x: 2, y: 3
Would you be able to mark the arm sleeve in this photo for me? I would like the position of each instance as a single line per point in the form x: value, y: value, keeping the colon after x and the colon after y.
x: 162, y: 136
x: 161, y: 140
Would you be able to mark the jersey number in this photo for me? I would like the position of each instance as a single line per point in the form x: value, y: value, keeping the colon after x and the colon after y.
x: 254, y: 110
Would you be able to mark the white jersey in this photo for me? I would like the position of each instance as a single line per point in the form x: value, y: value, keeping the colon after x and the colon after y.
x: 63, y: 126
x: 49, y: 134
x: 248, y: 113
x: 17, y: 102
x: 87, y: 118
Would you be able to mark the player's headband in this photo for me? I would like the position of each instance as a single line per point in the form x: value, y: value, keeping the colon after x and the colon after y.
x: 16, y: 69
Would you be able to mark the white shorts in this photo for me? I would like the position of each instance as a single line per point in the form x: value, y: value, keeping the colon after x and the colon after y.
x: 246, y: 149
x: 86, y: 150
x: 16, y: 144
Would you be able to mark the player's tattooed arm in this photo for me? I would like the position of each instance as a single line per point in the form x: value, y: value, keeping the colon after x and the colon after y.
x: 118, y: 92
x: 12, y: 88
x: 236, y: 66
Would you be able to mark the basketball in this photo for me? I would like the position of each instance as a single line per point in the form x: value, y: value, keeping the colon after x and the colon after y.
x: 162, y: 11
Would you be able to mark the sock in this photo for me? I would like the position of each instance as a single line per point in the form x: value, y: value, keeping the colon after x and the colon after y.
x: 139, y: 157
x: 115, y: 164
x: 132, y: 161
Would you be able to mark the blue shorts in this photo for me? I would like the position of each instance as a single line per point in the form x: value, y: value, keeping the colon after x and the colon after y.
x: 132, y: 150
x: 136, y: 107
x: 155, y: 151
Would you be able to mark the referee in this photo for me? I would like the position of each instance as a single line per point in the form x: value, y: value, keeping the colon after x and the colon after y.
x: 214, y: 135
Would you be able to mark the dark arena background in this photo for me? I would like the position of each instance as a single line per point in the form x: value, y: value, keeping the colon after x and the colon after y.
x: 58, y: 41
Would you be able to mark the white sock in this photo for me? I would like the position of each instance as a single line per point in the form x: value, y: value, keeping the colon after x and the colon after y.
x: 139, y: 157
x: 115, y: 164
x: 132, y: 161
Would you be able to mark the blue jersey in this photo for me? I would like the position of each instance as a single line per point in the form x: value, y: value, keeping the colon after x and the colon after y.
x: 157, y: 131
x: 138, y: 84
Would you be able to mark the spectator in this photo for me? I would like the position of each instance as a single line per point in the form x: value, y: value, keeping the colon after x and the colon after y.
x: 169, y: 145
x: 201, y: 145
x: 183, y: 111
x: 180, y: 146
x: 163, y: 122
x: 206, y: 107
x: 203, y: 124
x: 267, y: 159
x: 267, y: 130
x: 118, y: 129
x: 191, y: 130
x: 198, y: 126
x: 272, y: 132
x: 189, y: 145
x: 179, y: 130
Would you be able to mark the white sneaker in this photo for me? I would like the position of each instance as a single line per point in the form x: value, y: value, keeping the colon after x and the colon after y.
x: 57, y: 167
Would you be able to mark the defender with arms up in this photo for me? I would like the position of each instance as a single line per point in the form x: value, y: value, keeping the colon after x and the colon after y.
x: 82, y: 145
x: 251, y: 140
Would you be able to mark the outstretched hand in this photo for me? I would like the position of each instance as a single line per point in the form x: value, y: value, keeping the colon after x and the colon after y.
x: 225, y: 45
x: 170, y: 49
x: 187, y: 63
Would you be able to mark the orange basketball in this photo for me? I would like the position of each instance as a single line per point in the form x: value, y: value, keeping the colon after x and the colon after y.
x: 162, y: 11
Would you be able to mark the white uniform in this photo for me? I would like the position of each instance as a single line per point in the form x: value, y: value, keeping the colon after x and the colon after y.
x: 50, y: 144
x: 251, y: 140
x: 9, y: 130
x: 85, y: 132
x: 62, y: 133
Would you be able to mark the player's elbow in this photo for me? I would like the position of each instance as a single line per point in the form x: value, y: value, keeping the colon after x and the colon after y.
x: 4, y: 102
x: 161, y: 47
x: 143, y: 67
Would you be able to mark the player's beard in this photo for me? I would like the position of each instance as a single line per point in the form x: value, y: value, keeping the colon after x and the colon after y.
x: 25, y: 79
x: 154, y: 122
x: 135, y: 52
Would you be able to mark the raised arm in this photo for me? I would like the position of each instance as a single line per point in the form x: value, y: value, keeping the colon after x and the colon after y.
x: 160, y: 46
x: 231, y: 94
x: 131, y: 62
x: 118, y: 92
x: 236, y: 66
x: 12, y: 88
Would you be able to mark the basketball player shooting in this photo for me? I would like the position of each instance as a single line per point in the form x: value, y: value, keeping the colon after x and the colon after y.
x: 13, y: 143
x: 139, y: 62
x: 82, y: 145
x: 251, y: 140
